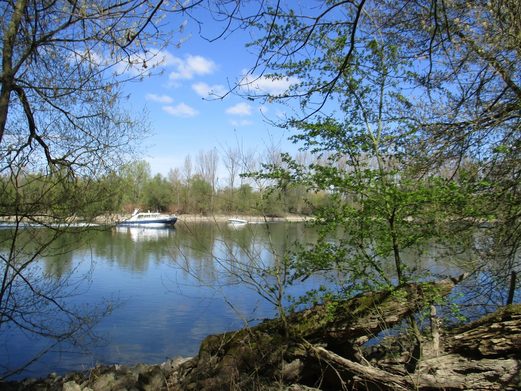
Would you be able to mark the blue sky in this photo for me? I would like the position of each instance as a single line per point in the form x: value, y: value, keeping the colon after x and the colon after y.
x: 182, y: 121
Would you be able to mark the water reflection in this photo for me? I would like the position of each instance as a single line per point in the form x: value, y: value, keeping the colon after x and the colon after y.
x: 170, y: 288
x: 142, y: 234
x: 173, y: 287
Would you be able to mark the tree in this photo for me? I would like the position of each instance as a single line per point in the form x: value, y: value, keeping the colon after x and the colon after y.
x: 231, y: 161
x: 174, y: 177
x: 391, y: 95
x: 201, y: 195
x: 207, y: 169
x: 158, y: 194
x: 135, y: 176
x: 63, y: 133
x: 403, y: 91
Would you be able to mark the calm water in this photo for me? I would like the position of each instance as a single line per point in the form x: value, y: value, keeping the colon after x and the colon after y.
x: 166, y: 289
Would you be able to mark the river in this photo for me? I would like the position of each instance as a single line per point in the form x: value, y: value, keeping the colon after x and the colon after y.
x: 163, y: 290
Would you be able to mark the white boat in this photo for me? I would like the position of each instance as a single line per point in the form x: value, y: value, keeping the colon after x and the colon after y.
x: 149, y: 220
x: 237, y: 221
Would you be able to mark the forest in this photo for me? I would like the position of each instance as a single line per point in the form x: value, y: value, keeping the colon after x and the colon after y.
x: 187, y: 190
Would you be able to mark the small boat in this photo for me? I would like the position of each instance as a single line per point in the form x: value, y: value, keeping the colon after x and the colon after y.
x: 149, y: 220
x: 237, y: 221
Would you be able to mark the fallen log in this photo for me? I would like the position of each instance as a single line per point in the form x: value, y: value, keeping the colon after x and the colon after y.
x: 456, y: 372
x: 270, y: 352
x: 362, y: 317
x: 483, y: 355
x: 447, y: 372
x: 366, y: 374
x: 497, y: 334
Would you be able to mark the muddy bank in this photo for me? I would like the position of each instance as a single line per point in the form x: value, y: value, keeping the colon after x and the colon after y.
x: 105, y: 378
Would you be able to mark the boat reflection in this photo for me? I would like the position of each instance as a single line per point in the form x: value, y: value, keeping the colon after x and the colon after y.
x: 144, y: 234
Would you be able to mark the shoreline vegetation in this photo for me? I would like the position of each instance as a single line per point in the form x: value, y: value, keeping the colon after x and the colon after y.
x: 322, y: 348
x: 404, y: 122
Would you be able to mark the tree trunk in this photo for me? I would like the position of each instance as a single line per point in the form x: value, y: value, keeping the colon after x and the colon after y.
x: 265, y: 353
x: 483, y: 355
x: 512, y: 289
x: 8, y: 72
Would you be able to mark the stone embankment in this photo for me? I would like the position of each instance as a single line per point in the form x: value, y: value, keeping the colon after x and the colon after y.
x: 105, y: 378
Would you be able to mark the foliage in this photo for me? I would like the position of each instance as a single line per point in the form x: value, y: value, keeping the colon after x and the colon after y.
x: 412, y: 114
x: 63, y: 136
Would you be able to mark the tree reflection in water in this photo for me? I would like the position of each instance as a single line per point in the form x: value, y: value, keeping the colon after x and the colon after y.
x: 171, y: 288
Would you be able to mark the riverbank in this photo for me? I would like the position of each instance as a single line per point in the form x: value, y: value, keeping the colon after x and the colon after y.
x: 323, y: 348
x: 167, y: 376
x: 217, y: 218
x: 248, y: 218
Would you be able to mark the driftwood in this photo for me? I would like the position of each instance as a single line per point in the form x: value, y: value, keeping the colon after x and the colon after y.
x: 497, y: 334
x: 447, y: 372
x: 483, y: 355
x: 356, y: 320
x: 456, y: 372
x: 365, y: 374
x: 273, y: 351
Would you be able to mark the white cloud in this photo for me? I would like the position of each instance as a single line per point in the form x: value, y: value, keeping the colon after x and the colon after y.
x: 265, y: 85
x: 161, y: 57
x: 87, y: 56
x: 191, y: 66
x: 159, y: 98
x: 181, y: 110
x: 239, y: 109
x: 205, y: 90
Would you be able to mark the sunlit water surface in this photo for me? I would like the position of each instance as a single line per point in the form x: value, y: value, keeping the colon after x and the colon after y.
x: 166, y: 290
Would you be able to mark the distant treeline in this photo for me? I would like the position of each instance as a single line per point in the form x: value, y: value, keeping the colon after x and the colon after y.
x: 132, y: 186
x: 199, y: 193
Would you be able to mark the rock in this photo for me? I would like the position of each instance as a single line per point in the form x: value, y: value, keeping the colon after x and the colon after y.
x: 71, y: 386
x: 292, y: 371
x: 152, y: 380
x: 300, y: 387
x: 104, y: 382
x: 173, y: 365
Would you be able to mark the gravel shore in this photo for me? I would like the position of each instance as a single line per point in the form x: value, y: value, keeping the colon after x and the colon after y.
x: 250, y: 219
